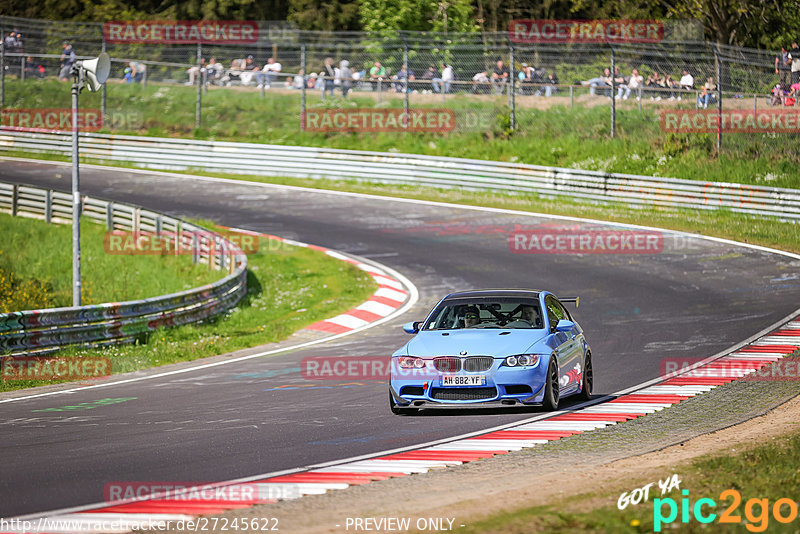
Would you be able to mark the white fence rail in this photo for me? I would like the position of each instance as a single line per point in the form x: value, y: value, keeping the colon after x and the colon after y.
x: 307, y: 162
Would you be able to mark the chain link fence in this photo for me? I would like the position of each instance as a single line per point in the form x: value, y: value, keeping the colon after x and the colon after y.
x: 454, y: 83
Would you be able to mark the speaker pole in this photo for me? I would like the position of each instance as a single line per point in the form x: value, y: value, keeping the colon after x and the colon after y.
x: 76, y: 195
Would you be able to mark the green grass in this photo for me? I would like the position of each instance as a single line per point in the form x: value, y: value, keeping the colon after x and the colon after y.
x: 36, y: 262
x: 557, y: 136
x: 767, y: 471
x: 768, y: 232
x: 288, y: 288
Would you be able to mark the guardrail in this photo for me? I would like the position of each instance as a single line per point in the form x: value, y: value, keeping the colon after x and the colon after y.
x: 39, y: 331
x: 308, y: 162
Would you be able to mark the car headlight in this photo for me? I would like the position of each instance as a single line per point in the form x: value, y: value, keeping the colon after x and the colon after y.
x: 521, y: 360
x: 411, y: 362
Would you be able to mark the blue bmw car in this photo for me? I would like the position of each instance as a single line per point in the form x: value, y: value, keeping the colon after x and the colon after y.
x: 492, y: 347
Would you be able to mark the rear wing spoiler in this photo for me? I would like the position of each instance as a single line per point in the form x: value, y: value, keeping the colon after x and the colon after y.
x: 570, y: 299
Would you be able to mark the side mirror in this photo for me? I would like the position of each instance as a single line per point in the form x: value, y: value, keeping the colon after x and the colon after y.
x: 564, y: 325
x: 411, y: 328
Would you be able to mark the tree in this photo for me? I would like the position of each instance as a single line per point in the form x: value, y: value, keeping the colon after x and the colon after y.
x: 324, y: 15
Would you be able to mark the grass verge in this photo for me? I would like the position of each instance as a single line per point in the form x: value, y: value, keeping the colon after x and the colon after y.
x: 36, y: 268
x: 760, y: 475
x: 555, y: 135
x: 288, y: 288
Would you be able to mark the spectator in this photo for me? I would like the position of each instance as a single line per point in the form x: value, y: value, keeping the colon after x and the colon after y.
x: 328, y: 74
x: 270, y: 73
x: 621, y: 82
x: 377, y: 72
x: 635, y: 83
x: 67, y: 60
x: 600, y: 81
x: 656, y: 83
x: 783, y: 68
x: 479, y: 82
x: 706, y: 96
x: 137, y: 71
x: 429, y: 75
x: 193, y: 72
x: 525, y: 77
x: 442, y: 85
x: 214, y: 71
x: 686, y: 82
x: 402, y: 79
x: 234, y: 73
x: 298, y: 81
x: 33, y: 69
x: 311, y: 83
x: 346, y: 77
x: 777, y: 95
x: 794, y: 58
x: 669, y: 83
x: 250, y: 70
x: 500, y: 76
x: 551, y: 84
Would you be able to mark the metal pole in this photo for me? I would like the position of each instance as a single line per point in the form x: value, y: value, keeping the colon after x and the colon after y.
x: 613, y: 93
x: 2, y: 67
x: 76, y: 197
x: 571, y: 97
x: 405, y: 84
x: 513, y: 91
x: 22, y: 64
x: 719, y: 98
x: 198, y: 111
x: 303, y: 92
x: 103, y: 90
x: 144, y: 76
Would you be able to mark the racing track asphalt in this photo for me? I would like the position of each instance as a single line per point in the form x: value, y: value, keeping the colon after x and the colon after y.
x: 691, y: 300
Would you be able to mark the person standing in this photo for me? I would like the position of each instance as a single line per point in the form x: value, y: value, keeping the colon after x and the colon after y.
x: 328, y: 74
x: 67, y: 60
x: 783, y: 68
x: 794, y: 58
x: 346, y: 77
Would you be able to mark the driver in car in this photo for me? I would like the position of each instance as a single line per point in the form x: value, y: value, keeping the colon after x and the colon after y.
x: 529, y: 314
x: 471, y: 317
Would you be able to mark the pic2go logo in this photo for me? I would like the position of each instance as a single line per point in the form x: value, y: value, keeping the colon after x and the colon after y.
x: 756, y: 511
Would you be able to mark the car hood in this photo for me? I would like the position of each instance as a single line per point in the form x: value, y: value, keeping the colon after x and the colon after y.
x: 488, y: 342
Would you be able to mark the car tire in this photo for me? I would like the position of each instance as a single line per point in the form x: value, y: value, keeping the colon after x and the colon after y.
x: 551, y: 387
x: 588, y: 378
x: 397, y: 410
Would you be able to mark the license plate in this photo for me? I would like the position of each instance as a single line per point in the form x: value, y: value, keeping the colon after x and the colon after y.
x: 464, y: 380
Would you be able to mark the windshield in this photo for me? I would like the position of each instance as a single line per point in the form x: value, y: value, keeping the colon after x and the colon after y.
x: 486, y: 312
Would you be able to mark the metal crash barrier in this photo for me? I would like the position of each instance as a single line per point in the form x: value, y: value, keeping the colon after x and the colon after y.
x: 432, y: 171
x: 39, y: 331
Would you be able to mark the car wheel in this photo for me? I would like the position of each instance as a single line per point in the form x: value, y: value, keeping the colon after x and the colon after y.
x: 397, y: 410
x: 588, y: 378
x: 551, y: 388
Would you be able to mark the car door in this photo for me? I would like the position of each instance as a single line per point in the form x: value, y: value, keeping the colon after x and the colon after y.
x: 573, y: 348
x: 561, y: 342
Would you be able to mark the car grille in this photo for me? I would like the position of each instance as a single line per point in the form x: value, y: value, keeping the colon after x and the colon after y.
x: 447, y: 364
x: 463, y: 393
x: 476, y: 364
x: 412, y: 390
